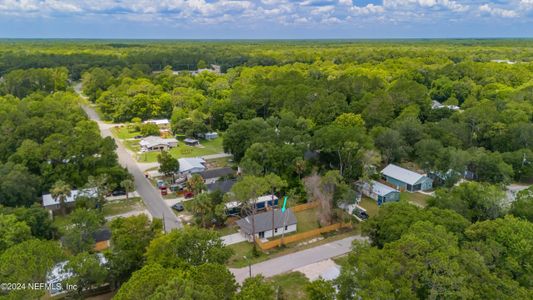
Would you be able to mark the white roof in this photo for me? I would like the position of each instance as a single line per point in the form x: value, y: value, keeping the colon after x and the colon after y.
x: 402, y: 174
x: 266, y: 198
x: 381, y: 189
x: 157, y: 122
x: 151, y: 141
x: 260, y: 199
x: 190, y: 163
x: 48, y: 200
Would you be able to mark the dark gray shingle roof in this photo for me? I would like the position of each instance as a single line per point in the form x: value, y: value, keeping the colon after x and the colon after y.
x: 263, y: 221
x: 223, y: 186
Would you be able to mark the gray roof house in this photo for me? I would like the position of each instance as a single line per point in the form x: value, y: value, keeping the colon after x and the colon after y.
x: 380, y: 192
x: 155, y: 143
x: 53, y: 204
x: 263, y: 224
x: 406, y: 180
x: 191, y: 165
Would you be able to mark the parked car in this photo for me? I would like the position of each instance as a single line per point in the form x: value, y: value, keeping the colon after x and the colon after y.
x: 161, y: 184
x: 164, y: 191
x: 360, y: 212
x: 118, y: 193
x: 138, y: 137
x: 188, y: 195
x: 178, y: 206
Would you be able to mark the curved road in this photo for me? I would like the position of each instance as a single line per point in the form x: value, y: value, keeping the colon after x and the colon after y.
x: 151, y: 197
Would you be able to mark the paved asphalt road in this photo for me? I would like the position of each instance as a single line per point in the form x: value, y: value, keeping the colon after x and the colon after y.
x: 296, y: 260
x: 152, y: 198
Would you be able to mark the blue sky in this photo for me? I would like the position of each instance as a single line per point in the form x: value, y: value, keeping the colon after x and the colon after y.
x: 265, y: 19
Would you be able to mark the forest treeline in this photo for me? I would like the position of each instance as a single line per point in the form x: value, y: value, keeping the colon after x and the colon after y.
x: 335, y: 111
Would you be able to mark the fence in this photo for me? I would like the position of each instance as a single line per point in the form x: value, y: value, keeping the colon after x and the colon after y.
x: 304, y: 206
x: 301, y: 236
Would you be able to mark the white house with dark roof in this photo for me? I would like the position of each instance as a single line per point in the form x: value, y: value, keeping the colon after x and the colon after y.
x: 284, y: 222
x: 406, y: 180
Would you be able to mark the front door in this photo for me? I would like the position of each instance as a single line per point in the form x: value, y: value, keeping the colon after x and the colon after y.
x: 262, y: 235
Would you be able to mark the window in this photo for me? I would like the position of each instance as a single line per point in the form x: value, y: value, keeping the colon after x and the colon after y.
x: 286, y: 227
x: 262, y: 235
x: 276, y: 230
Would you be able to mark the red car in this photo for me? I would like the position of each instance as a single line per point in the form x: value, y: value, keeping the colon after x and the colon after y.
x: 188, y: 195
x: 164, y: 191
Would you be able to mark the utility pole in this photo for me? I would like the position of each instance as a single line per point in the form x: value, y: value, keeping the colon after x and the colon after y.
x: 164, y: 226
x: 249, y: 266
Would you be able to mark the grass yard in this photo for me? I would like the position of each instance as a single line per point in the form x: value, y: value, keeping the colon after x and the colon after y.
x: 291, y: 285
x: 370, y: 205
x: 416, y: 198
x: 307, y: 219
x: 124, y: 132
x: 122, y: 206
x: 227, y: 230
x: 209, y: 147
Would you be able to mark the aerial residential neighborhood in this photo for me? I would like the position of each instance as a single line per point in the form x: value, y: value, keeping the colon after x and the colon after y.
x: 266, y: 150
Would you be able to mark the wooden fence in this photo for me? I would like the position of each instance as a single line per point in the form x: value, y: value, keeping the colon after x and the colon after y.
x: 301, y: 236
x: 304, y: 206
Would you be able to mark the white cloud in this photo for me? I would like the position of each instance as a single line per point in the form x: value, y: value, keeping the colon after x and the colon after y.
x: 271, y: 11
x: 498, y: 12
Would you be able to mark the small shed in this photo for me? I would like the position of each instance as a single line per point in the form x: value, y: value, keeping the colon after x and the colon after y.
x: 406, y: 180
x: 191, y: 142
x: 380, y: 192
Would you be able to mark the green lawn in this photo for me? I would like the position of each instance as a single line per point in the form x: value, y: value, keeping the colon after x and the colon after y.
x: 416, y: 198
x: 122, y: 206
x: 227, y: 230
x: 370, y: 205
x: 307, y: 219
x: 291, y: 285
x: 341, y: 260
x: 124, y: 132
x: 209, y: 147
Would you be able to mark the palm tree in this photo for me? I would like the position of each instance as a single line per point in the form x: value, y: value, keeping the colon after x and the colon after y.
x: 202, y: 209
x: 128, y: 185
x: 61, y: 191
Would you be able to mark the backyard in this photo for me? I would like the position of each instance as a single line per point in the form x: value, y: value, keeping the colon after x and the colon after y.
x: 418, y: 199
x: 307, y: 219
x: 370, y: 205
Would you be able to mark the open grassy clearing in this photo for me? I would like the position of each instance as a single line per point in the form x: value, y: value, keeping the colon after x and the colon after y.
x: 416, y: 198
x: 117, y: 207
x: 124, y: 132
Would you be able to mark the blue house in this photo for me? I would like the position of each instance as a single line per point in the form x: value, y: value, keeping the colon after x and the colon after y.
x: 380, y: 192
x: 406, y: 180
